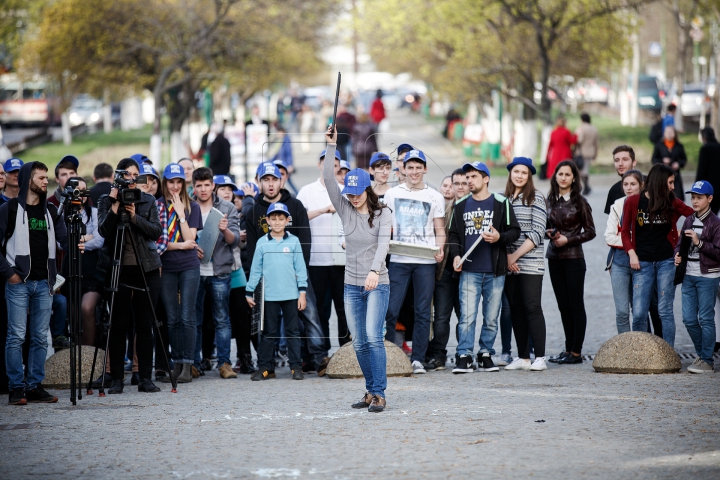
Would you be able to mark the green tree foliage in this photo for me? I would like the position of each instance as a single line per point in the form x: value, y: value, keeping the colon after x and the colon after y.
x: 467, y: 47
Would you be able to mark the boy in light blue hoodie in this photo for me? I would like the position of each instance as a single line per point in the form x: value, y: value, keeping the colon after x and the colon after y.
x: 279, y: 261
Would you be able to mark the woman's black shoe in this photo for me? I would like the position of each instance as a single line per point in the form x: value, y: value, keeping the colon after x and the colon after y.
x: 364, y: 402
x: 117, y: 387
x: 558, y: 357
x: 570, y: 359
x: 98, y: 382
x: 146, y: 385
x: 135, y: 379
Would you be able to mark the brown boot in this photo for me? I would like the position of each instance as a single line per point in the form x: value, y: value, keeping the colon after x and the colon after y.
x: 377, y: 404
x: 322, y: 368
x: 226, y: 371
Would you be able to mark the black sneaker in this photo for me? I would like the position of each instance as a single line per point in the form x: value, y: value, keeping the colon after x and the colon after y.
x: 61, y: 342
x: 433, y: 365
x: 135, y: 379
x: 464, y: 364
x: 557, y: 357
x: 40, y: 395
x: 146, y: 385
x: 262, y: 375
x: 17, y: 397
x: 116, y: 388
x: 485, y: 363
x: 205, y: 365
x: 297, y: 375
x: 309, y: 367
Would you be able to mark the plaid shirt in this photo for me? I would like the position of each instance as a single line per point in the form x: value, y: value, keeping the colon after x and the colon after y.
x: 162, y: 242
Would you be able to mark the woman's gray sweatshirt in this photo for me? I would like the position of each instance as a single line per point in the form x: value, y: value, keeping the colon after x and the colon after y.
x: 365, y: 247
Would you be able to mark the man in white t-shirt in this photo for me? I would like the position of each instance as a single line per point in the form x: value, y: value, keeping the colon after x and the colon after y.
x: 326, y: 273
x: 418, y: 217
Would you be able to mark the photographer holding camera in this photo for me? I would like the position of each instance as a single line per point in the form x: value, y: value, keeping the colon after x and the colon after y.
x: 128, y: 204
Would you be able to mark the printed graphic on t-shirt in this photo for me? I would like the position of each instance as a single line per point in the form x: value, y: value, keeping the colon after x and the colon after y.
x: 37, y: 224
x: 694, y: 252
x: 644, y: 219
x: 411, y: 217
x: 478, y: 221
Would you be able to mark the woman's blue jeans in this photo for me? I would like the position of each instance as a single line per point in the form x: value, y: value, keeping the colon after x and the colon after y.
x: 181, y: 314
x: 661, y: 273
x: 365, y: 312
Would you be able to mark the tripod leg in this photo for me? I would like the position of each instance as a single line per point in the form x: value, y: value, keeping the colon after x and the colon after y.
x: 155, y: 319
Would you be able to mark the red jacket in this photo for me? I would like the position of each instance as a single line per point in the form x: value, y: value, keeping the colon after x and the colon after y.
x: 560, y: 148
x: 377, y: 111
x: 630, y: 215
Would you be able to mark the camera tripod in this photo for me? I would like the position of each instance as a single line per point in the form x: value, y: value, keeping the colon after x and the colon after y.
x: 76, y: 229
x: 118, y: 250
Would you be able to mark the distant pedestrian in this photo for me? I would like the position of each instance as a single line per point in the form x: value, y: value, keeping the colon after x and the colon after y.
x: 220, y: 158
x: 364, y: 140
x: 708, y: 168
x: 560, y: 147
x: 570, y: 224
x: 671, y: 152
x: 377, y: 110
x: 701, y: 276
x: 587, y: 144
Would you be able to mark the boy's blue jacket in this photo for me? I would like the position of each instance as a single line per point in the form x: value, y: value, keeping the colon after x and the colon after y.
x: 282, y: 266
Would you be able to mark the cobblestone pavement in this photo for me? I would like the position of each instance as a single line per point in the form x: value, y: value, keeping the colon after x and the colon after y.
x: 565, y: 422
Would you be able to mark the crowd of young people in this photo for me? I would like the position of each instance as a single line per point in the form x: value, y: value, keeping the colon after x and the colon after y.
x: 479, y: 253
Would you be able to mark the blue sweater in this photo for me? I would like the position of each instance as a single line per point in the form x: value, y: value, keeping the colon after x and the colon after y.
x: 281, y: 265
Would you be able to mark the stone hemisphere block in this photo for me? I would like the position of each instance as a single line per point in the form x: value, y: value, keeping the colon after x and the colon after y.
x: 57, y: 367
x: 636, y: 352
x: 344, y: 364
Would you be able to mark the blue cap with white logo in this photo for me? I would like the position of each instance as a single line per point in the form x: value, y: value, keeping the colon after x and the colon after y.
x: 13, y: 164
x: 378, y: 157
x: 141, y: 158
x: 337, y: 155
x: 221, y: 180
x: 414, y: 155
x: 702, y: 187
x: 344, y: 165
x: 278, y: 207
x: 146, y: 169
x: 279, y: 163
x: 268, y: 169
x: 479, y: 166
x: 173, y: 170
x: 356, y: 181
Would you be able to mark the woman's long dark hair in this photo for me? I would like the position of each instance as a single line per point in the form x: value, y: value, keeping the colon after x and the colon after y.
x: 575, y: 188
x: 374, y: 205
x: 527, y: 192
x: 660, y: 197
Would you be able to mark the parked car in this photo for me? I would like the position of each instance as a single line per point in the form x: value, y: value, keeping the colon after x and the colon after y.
x: 593, y: 90
x: 85, y: 109
x: 649, y: 95
x: 695, y: 97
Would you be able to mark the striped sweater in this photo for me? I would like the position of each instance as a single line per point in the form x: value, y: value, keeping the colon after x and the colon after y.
x: 532, y: 220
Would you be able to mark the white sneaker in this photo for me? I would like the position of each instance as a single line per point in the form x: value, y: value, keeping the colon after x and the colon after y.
x: 418, y: 367
x: 519, y: 364
x: 505, y: 359
x: 539, y: 365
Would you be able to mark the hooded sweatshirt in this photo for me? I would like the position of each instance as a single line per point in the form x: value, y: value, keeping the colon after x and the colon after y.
x: 299, y: 224
x: 18, y: 257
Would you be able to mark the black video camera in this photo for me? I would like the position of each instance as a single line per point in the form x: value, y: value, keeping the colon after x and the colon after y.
x: 72, y: 193
x: 125, y: 193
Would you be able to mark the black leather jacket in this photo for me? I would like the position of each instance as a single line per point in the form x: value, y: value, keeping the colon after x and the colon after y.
x: 145, y: 229
x: 574, y: 220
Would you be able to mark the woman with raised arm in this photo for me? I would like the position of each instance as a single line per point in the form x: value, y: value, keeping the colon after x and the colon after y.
x: 366, y: 224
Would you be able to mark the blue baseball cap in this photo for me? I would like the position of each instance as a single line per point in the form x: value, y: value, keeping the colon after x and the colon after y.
x: 322, y: 155
x: 701, y: 187
x: 279, y: 163
x: 479, y: 166
x: 344, y: 165
x: 13, y: 164
x: 146, y: 169
x: 141, y: 158
x: 268, y: 169
x: 404, y: 147
x: 356, y: 181
x: 278, y: 207
x: 174, y: 170
x: 379, y: 157
x: 414, y: 155
x: 220, y: 180
x: 67, y: 158
x: 521, y: 161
